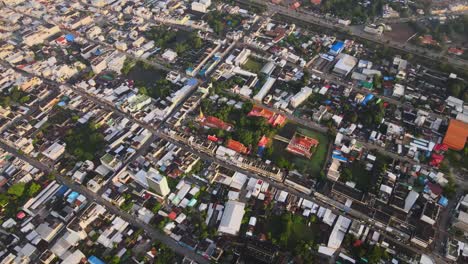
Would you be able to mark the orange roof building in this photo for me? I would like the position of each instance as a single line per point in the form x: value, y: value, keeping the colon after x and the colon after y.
x: 260, y: 111
x: 263, y: 141
x: 273, y: 118
x: 302, y: 145
x: 214, y: 122
x: 456, y: 135
x: 237, y: 146
x: 277, y: 120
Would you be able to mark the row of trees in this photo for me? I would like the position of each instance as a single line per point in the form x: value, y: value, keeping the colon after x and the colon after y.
x: 248, y: 130
x: 14, y: 96
x: 458, y: 88
x: 167, y: 38
x: 84, y: 141
x: 352, y: 9
x: 17, y: 195
x: 220, y: 22
x: 161, y: 89
x: 451, y: 28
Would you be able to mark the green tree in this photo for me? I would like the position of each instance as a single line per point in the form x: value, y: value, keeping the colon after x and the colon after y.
x: 456, y: 88
x: 4, y: 200
x: 353, y: 117
x: 450, y: 189
x: 284, y: 163
x: 376, y: 255
x: 196, y: 41
x: 246, y: 137
x: 180, y: 48
x: 17, y: 189
x: 33, y: 189
x: 115, y: 260
x: 24, y: 99
x: 5, y: 101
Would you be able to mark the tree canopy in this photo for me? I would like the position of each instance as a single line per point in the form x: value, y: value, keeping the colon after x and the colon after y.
x: 17, y: 189
x: 84, y: 141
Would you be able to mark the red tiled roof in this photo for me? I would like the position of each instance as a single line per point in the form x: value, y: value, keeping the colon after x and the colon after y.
x: 263, y: 141
x: 456, y: 51
x: 212, y: 138
x: 214, y: 122
x: 277, y: 120
x: 427, y: 39
x: 260, y: 111
x: 21, y: 215
x: 435, y: 188
x: 237, y: 146
x: 273, y: 118
x: 172, y: 215
x: 302, y: 145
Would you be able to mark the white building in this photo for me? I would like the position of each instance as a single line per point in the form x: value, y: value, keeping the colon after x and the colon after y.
x: 300, y: 97
x: 398, y: 90
x: 54, y: 151
x: 232, y: 218
x: 157, y: 182
x: 116, y: 61
x: 265, y: 89
x: 120, y: 45
x: 242, y: 57
x: 201, y: 5
x: 169, y: 55
x: 338, y: 232
x: 345, y: 65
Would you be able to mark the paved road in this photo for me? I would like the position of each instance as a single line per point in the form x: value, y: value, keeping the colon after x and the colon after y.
x: 401, y: 20
x: 152, y: 232
x: 358, y: 32
x: 317, y: 198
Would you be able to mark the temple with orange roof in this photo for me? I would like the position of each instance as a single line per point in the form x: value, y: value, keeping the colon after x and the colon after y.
x: 237, y: 146
x: 273, y: 118
x: 213, y: 122
x: 302, y: 145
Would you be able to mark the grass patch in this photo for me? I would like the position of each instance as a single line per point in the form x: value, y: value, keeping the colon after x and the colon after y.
x: 361, y: 176
x: 457, y: 159
x: 253, y: 65
x: 289, y: 230
x: 311, y: 166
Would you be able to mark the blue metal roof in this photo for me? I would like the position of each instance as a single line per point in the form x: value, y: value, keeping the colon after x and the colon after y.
x: 61, y: 191
x: 340, y: 158
x: 367, y: 99
x: 192, y: 81
x: 95, y: 260
x: 337, y: 47
x: 443, y: 201
x: 70, y: 37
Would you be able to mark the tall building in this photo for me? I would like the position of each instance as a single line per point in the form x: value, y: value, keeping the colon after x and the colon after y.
x: 157, y: 182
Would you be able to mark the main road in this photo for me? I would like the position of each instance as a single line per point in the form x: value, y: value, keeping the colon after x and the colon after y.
x: 358, y: 32
x: 319, y: 199
x: 337, y: 207
x: 91, y: 196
